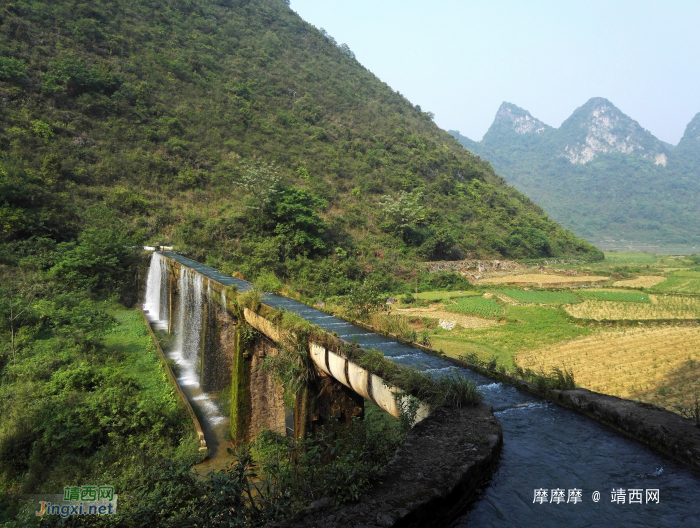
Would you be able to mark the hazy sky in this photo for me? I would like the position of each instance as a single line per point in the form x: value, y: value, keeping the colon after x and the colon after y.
x: 461, y: 59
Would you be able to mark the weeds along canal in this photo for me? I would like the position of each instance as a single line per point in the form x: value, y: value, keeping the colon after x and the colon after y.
x: 545, y: 446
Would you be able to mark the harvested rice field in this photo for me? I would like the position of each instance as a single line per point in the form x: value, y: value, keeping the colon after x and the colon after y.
x: 643, y: 281
x: 465, y: 321
x: 659, y: 365
x: 670, y: 307
x: 544, y: 279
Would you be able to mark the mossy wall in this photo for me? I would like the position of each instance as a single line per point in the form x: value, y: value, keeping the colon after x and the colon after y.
x: 240, y: 395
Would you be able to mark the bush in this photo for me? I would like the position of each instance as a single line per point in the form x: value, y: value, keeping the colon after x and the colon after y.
x: 101, y: 260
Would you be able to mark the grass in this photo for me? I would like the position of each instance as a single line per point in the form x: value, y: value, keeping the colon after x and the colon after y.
x: 616, y: 296
x: 656, y: 365
x: 669, y: 307
x: 480, y: 306
x: 540, y: 297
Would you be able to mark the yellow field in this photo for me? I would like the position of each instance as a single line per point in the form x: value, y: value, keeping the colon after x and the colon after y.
x: 670, y: 307
x: 465, y: 321
x: 643, y: 281
x: 655, y: 365
x: 541, y: 279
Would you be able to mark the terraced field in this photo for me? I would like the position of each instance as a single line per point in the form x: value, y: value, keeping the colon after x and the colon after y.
x: 670, y: 307
x: 545, y: 279
x: 657, y: 365
x: 538, y: 297
x: 684, y: 281
x: 642, y: 281
x: 480, y: 306
x: 612, y: 295
x: 441, y: 295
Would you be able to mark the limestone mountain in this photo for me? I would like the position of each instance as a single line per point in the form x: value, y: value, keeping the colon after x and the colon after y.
x: 513, y: 121
x: 599, y: 128
x: 601, y: 174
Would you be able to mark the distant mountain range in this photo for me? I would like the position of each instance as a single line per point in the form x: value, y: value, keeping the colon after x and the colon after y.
x: 601, y: 174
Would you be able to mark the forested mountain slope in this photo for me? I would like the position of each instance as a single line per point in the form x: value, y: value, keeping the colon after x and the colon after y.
x: 601, y: 174
x: 236, y: 131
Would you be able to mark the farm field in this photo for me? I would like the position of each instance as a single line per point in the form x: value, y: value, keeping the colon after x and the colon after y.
x: 465, y: 321
x: 526, y: 328
x: 642, y: 281
x: 655, y: 365
x: 538, y: 279
x: 440, y: 295
x: 537, y: 297
x: 540, y: 326
x: 613, y: 295
x: 668, y: 307
x: 480, y: 306
x: 682, y: 281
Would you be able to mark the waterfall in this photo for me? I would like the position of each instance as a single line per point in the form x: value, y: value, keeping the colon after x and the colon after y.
x: 188, y: 329
x: 157, y: 302
x: 152, y: 303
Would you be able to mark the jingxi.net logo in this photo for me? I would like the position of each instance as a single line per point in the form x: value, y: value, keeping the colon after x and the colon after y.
x: 80, y: 500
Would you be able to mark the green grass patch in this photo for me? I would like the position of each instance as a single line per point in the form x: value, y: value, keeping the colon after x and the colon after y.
x: 617, y: 296
x: 540, y: 297
x: 478, y: 306
x: 526, y: 328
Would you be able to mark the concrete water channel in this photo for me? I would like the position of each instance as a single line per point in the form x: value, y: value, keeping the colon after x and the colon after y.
x: 545, y: 447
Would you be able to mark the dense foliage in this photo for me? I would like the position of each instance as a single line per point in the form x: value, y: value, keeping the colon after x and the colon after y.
x: 614, y: 200
x: 235, y: 130
x: 83, y: 396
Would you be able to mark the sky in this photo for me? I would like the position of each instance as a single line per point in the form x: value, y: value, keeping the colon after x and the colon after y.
x: 460, y: 59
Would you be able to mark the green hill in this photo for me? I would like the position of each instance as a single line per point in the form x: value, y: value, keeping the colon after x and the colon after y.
x: 601, y: 175
x: 236, y: 131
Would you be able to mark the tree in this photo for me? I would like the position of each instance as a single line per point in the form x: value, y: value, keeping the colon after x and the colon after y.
x: 101, y: 260
x: 259, y: 181
x: 296, y: 218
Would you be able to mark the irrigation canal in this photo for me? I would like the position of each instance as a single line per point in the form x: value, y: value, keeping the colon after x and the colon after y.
x: 545, y: 446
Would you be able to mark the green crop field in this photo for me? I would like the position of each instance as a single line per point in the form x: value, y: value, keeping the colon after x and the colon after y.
x: 685, y: 281
x: 477, y: 306
x: 540, y: 297
x: 616, y: 296
x: 631, y: 258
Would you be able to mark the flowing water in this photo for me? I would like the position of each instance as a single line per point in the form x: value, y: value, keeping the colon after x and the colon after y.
x: 545, y: 446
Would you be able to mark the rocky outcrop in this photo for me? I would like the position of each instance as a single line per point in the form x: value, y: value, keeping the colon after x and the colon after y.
x: 598, y: 127
x: 432, y: 477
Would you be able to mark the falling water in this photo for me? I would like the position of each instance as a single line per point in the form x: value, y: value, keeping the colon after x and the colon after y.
x: 156, y: 304
x: 153, y: 286
x: 188, y: 331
